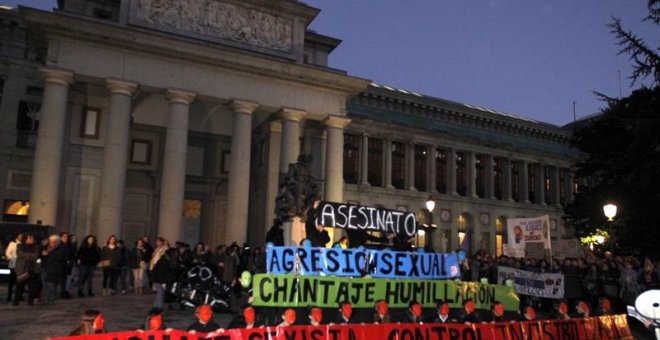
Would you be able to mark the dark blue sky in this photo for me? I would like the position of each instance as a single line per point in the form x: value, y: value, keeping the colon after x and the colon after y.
x: 527, y: 57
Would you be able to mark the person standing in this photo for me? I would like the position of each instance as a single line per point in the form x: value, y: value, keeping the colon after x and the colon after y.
x: 69, y: 260
x: 122, y: 266
x: 110, y: 258
x: 137, y: 261
x: 54, y: 265
x: 26, y: 262
x: 89, y: 256
x: 74, y: 273
x: 11, y: 255
x: 160, y: 271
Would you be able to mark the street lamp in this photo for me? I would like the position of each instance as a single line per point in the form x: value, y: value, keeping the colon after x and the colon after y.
x: 430, y: 205
x: 600, y: 239
x: 610, y: 212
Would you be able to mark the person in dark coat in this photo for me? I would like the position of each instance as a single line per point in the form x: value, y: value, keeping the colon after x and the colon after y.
x: 560, y: 311
x: 316, y: 234
x: 70, y: 258
x: 382, y: 314
x: 275, y: 234
x: 496, y: 313
x: 203, y: 322
x: 110, y: 260
x: 469, y: 315
x: 414, y: 313
x: 344, y: 314
x: 53, y: 260
x: 443, y: 313
x: 89, y: 256
x: 137, y: 261
x: 122, y: 267
x: 27, y: 254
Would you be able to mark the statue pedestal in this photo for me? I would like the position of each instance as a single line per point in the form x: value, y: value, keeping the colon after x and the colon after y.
x: 294, y: 232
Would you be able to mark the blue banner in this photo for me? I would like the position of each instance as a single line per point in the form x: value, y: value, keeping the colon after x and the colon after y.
x: 361, y: 262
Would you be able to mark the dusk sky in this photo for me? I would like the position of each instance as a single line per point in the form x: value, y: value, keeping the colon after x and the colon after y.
x: 526, y: 57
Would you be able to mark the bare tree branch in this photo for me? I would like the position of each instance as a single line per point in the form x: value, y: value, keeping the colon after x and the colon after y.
x: 646, y: 61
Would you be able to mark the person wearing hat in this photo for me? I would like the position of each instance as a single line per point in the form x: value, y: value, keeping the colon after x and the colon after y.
x: 92, y: 323
x: 345, y: 314
x: 204, y: 320
x: 443, y: 313
x: 288, y: 318
x: 382, y: 314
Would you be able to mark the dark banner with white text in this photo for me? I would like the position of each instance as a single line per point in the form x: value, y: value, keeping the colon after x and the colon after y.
x: 597, y: 328
x: 357, y: 217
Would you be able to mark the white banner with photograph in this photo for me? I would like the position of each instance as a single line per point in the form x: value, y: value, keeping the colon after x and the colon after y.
x: 527, y: 230
x: 546, y: 285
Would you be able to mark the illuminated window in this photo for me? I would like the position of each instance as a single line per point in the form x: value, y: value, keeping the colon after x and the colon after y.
x: 499, y: 238
x: 461, y: 176
x: 15, y: 211
x: 480, y: 169
x: 192, y: 208
x: 462, y: 228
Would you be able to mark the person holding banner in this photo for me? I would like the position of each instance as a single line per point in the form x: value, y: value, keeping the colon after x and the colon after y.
x: 247, y: 321
x: 315, y: 316
x: 560, y: 312
x: 529, y: 314
x: 604, y: 307
x: 443, y: 313
x: 154, y: 321
x: 382, y: 314
x: 497, y: 312
x: 414, y: 313
x: 345, y: 314
x: 288, y: 318
x: 92, y: 323
x: 469, y: 316
x: 203, y: 322
x: 582, y: 310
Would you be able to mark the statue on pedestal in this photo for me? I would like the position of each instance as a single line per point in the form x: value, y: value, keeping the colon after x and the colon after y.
x: 298, y: 191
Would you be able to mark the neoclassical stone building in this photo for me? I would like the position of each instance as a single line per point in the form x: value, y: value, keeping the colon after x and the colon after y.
x: 177, y: 118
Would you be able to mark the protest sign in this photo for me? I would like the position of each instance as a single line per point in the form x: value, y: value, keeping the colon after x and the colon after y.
x: 527, y: 230
x: 595, y: 328
x: 360, y: 262
x: 304, y: 291
x: 547, y: 285
x: 562, y: 249
x: 357, y: 217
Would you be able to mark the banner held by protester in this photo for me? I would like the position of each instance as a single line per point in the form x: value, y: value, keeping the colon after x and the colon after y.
x: 546, y: 285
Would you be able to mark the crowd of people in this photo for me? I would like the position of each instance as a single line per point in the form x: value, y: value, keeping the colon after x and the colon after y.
x: 60, y: 268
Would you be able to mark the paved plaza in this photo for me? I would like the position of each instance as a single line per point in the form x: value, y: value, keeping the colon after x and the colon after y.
x: 122, y: 312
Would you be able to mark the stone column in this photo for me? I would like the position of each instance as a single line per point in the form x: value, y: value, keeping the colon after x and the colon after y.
x: 238, y: 187
x: 431, y: 170
x: 364, y: 168
x: 451, y: 172
x: 489, y: 177
x: 505, y: 165
x: 471, y: 168
x: 290, y: 144
x: 170, y: 212
x: 334, y: 165
x: 554, y: 186
x: 115, y: 158
x: 410, y: 166
x: 539, y: 184
x: 523, y: 177
x: 387, y: 157
x: 272, y: 186
x: 44, y: 194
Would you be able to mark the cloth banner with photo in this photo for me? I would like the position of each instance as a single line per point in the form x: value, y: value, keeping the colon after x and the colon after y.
x: 522, y: 231
x: 595, y: 328
x: 546, y: 285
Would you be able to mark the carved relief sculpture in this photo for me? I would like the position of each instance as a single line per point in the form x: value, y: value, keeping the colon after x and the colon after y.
x: 218, y: 19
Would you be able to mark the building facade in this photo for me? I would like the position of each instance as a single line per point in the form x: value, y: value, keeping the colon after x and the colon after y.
x: 178, y: 118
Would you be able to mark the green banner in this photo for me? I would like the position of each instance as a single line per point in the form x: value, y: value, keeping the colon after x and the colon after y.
x: 272, y: 290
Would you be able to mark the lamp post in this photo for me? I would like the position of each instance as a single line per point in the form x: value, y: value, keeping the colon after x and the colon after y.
x: 430, y: 205
x: 610, y: 210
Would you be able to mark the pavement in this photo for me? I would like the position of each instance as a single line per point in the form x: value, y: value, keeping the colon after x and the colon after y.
x: 121, y: 313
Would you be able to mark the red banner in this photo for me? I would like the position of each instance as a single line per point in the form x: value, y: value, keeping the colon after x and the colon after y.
x: 597, y: 328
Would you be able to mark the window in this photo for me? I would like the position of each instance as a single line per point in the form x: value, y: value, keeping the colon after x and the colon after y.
x: 192, y: 208
x: 2, y: 89
x: 351, y: 158
x: 461, y: 176
x: 499, y: 237
x: 480, y: 169
x: 531, y: 176
x: 225, y: 159
x: 15, y: 211
x: 515, y: 181
x: 562, y: 185
x: 441, y: 171
x: 398, y: 165
x: 546, y: 183
x: 27, y: 124
x: 375, y: 168
x: 497, y: 178
x: 89, y: 123
x: 420, y: 167
x: 141, y: 151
